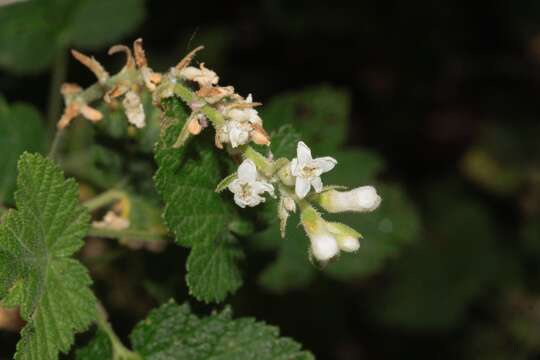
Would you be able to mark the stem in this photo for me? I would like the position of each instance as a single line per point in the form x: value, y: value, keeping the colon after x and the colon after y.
x: 122, y: 234
x: 104, y: 199
x: 58, y: 77
x: 260, y: 160
x: 120, y: 352
x: 189, y: 97
x: 55, y: 146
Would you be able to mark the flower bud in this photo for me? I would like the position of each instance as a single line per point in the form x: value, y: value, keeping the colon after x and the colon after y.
x: 324, y: 246
x: 361, y: 199
x: 347, y: 238
x: 348, y: 243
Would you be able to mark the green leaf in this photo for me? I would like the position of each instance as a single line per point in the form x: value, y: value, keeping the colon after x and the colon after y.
x: 100, y: 22
x: 319, y: 113
x: 37, y: 271
x: 212, y: 270
x: 46, y: 28
x: 198, y: 216
x: 284, y: 142
x: 186, y: 179
x: 291, y: 269
x: 21, y: 128
x: 99, y: 348
x: 173, y: 332
x: 431, y: 286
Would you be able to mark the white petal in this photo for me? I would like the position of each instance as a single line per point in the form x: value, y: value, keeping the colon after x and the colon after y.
x: 326, y: 163
x: 303, y: 153
x: 247, y: 171
x: 249, y: 98
x: 260, y: 187
x: 349, y: 244
x: 295, y: 171
x: 239, y: 201
x: 324, y: 247
x: 236, y: 186
x: 317, y: 184
x: 302, y: 187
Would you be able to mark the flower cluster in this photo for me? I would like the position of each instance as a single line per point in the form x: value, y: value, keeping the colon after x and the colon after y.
x: 296, y: 183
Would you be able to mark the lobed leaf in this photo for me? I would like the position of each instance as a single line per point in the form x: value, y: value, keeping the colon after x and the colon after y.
x: 199, y: 217
x: 37, y: 271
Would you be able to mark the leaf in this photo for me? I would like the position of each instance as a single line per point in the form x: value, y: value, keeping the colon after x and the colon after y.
x: 186, y: 179
x: 100, y: 22
x: 291, y: 269
x: 284, y: 142
x: 173, y: 332
x: 198, y: 216
x: 28, y: 28
x: 37, y: 271
x: 99, y: 348
x: 21, y: 128
x: 319, y: 113
x: 212, y: 270
x: 431, y: 286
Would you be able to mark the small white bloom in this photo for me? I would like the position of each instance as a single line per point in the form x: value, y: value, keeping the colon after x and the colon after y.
x: 134, y: 109
x: 361, y: 199
x: 246, y: 188
x: 234, y: 132
x: 308, y: 170
x: 324, y: 246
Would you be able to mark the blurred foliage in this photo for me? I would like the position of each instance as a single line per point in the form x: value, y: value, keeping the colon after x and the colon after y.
x: 21, y: 128
x: 434, y: 103
x: 50, y: 27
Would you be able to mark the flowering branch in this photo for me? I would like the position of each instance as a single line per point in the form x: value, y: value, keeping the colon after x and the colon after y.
x: 296, y: 182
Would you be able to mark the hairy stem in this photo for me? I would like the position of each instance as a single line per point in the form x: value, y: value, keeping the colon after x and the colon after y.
x: 55, y: 146
x: 104, y: 199
x: 58, y: 77
x: 189, y: 97
x: 120, y: 351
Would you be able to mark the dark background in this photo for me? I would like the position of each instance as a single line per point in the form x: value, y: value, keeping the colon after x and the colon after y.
x: 429, y: 81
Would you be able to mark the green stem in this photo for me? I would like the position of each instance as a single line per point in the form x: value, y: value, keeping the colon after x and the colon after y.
x: 122, y: 234
x: 55, y: 146
x: 260, y: 160
x: 189, y: 97
x: 104, y: 199
x: 58, y: 77
x: 120, y: 352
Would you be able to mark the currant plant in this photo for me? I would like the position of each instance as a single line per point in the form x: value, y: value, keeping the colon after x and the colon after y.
x: 212, y: 141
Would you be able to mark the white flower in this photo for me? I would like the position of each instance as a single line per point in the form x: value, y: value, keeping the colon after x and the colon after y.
x: 246, y: 188
x: 361, y: 199
x: 308, y: 170
x: 240, y: 125
x: 234, y: 132
x: 134, y: 109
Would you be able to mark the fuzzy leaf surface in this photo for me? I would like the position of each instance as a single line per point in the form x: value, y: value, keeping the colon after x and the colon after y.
x: 174, y: 332
x: 37, y: 271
